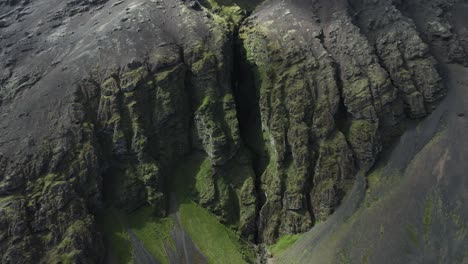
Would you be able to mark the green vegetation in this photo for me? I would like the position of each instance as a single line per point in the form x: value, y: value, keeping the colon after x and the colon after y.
x: 344, y: 258
x: 460, y: 224
x: 374, y: 182
x: 375, y: 177
x: 153, y: 232
x: 208, y: 101
x: 378, y: 182
x: 366, y: 256
x: 229, y: 14
x: 194, y: 178
x: 244, y: 4
x: 204, y: 183
x: 427, y: 220
x: 216, y: 241
x: 112, y: 224
x: 183, y: 181
x: 413, y: 235
x: 283, y: 243
x: 130, y: 79
x: 65, y: 252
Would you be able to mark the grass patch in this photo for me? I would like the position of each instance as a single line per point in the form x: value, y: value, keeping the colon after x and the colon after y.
x: 153, y: 232
x: 460, y: 224
x: 413, y: 235
x: 112, y: 224
x: 283, y: 243
x: 193, y: 177
x: 204, y: 184
x: 379, y: 181
x: 183, y: 181
x: 344, y: 258
x: 427, y: 220
x: 217, y: 242
x: 244, y: 4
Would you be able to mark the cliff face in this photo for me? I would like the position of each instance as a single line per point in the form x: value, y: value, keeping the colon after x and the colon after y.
x: 284, y: 101
x: 336, y: 80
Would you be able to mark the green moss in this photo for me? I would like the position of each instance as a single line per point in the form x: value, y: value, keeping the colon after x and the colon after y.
x: 283, y: 243
x: 65, y: 252
x: 413, y: 235
x: 428, y: 212
x: 153, y: 232
x: 361, y: 132
x: 378, y: 181
x: 194, y: 178
x: 344, y: 258
x: 216, y: 241
x: 42, y: 186
x: 132, y: 78
x: 164, y: 75
x: 374, y: 178
x: 46, y: 238
x: 248, y: 5
x: 109, y: 86
x: 460, y: 224
x: 374, y: 181
x: 366, y: 256
x: 206, y: 103
x: 227, y: 13
x: 66, y: 258
x: 206, y: 63
x: 124, y: 186
x: 382, y: 230
x: 113, y: 225
x: 204, y: 183
x: 183, y: 181
x: 325, y: 185
x: 362, y: 126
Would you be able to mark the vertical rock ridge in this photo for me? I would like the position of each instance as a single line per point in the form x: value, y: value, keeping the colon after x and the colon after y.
x: 403, y: 54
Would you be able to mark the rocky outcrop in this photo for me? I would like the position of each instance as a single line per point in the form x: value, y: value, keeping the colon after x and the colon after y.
x: 402, y: 52
x: 434, y: 19
x: 101, y: 100
x: 113, y: 127
x: 335, y: 80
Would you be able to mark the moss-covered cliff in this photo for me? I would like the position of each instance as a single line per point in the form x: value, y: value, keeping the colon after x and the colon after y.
x: 147, y: 114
